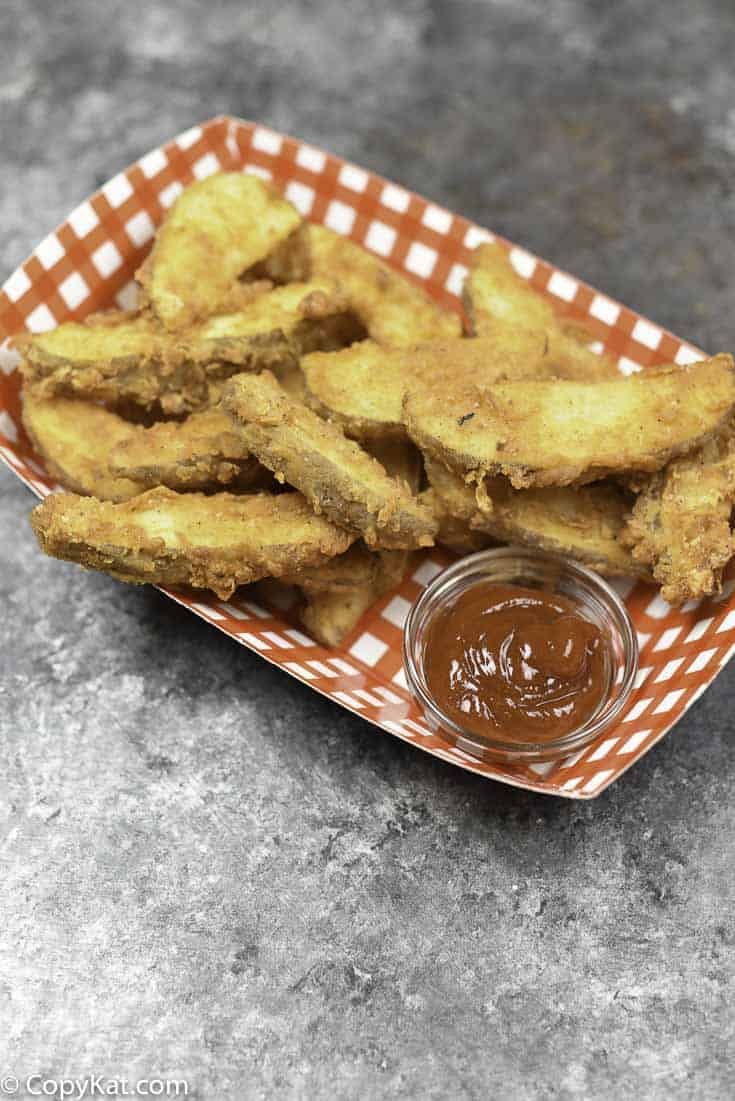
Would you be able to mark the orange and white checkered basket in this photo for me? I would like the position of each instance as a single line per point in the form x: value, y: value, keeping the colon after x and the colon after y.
x: 87, y: 264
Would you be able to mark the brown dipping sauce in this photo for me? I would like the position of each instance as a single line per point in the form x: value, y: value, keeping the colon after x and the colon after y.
x: 516, y: 663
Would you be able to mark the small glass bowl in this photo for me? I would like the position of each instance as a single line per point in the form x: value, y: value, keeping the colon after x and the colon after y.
x: 594, y: 598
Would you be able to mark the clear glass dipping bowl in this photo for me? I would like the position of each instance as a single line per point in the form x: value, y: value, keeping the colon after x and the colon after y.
x: 595, y: 600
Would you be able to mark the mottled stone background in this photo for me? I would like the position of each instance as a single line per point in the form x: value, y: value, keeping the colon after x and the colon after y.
x: 208, y: 871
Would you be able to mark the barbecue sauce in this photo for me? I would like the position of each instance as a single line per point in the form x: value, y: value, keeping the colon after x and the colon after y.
x: 516, y: 663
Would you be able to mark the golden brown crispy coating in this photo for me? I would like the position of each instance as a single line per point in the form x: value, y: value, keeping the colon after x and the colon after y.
x: 562, y: 432
x: 297, y: 315
x: 583, y: 522
x: 113, y: 357
x: 393, y: 310
x: 339, y: 592
x: 362, y: 387
x: 332, y: 472
x: 79, y: 358
x: 497, y: 298
x: 331, y: 614
x: 163, y: 537
x: 242, y: 294
x: 454, y: 530
x: 215, y: 230
x: 494, y: 294
x: 455, y: 496
x: 74, y: 438
x: 358, y: 566
x: 516, y: 425
x: 680, y: 524
x: 200, y: 452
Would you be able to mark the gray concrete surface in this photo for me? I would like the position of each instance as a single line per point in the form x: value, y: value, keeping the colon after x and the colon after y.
x: 207, y: 871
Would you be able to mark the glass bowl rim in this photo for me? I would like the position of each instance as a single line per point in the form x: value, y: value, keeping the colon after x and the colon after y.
x: 472, y: 742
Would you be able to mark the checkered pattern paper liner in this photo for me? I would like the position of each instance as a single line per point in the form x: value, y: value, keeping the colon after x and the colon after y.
x: 88, y: 264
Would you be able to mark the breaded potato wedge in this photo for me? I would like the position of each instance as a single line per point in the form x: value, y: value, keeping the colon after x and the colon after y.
x: 357, y: 567
x: 79, y: 358
x: 301, y: 316
x: 458, y: 498
x: 582, y: 522
x: 332, y: 472
x: 74, y: 438
x: 362, y: 387
x: 200, y: 452
x: 496, y: 298
x: 216, y: 229
x: 561, y: 432
x: 331, y: 614
x: 114, y: 357
x: 680, y: 525
x: 338, y: 593
x: 494, y: 293
x: 393, y: 310
x: 167, y: 538
x: 455, y: 531
x: 241, y: 295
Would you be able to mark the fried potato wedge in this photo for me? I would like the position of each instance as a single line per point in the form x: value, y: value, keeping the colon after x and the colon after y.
x: 393, y: 310
x: 118, y: 357
x: 582, y: 522
x: 680, y: 525
x: 332, y: 472
x: 79, y: 358
x: 74, y: 438
x: 358, y: 566
x: 114, y: 357
x: 561, y: 432
x: 329, y: 617
x: 338, y: 593
x: 455, y: 496
x: 163, y: 537
x: 454, y: 531
x: 331, y: 614
x: 200, y: 452
x: 363, y: 387
x: 216, y: 229
x: 300, y: 317
x: 497, y: 298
